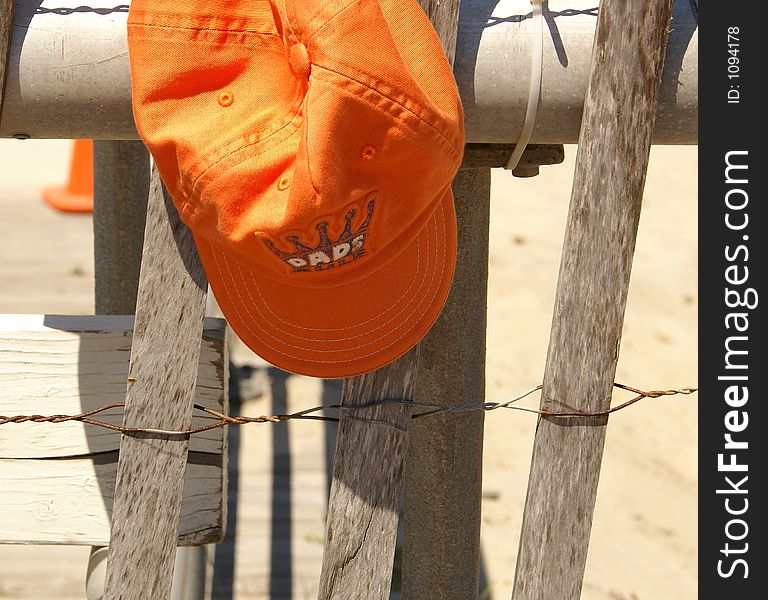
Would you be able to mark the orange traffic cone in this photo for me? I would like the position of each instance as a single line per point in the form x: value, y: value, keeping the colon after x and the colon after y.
x: 78, y: 195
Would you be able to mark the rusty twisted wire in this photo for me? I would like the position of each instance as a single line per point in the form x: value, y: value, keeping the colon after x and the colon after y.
x: 310, y: 413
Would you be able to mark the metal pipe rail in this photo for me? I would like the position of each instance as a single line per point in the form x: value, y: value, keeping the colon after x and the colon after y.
x: 68, y: 73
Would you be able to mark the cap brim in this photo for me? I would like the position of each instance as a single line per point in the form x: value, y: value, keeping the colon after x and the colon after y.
x: 344, y: 330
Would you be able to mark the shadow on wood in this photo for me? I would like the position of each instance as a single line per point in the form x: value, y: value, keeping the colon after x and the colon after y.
x: 66, y: 475
x: 164, y: 356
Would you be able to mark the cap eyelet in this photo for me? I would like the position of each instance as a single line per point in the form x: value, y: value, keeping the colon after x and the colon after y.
x: 368, y: 152
x: 283, y: 184
x: 226, y: 98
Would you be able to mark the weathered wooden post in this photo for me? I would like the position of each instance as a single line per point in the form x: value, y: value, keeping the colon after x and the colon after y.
x: 611, y: 163
x: 6, y: 24
x: 164, y: 358
x: 364, y: 504
x: 120, y: 192
x: 121, y: 189
x: 443, y: 485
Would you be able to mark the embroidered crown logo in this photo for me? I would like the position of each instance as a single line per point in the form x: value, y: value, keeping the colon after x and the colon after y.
x: 328, y: 253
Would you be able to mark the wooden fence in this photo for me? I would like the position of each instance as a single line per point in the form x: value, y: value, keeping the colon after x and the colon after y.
x: 381, y: 452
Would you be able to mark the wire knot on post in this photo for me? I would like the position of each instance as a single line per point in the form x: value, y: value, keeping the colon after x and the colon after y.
x: 428, y: 409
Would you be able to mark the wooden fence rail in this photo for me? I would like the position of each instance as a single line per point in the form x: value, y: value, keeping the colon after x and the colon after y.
x: 164, y: 355
x: 370, y: 450
x: 591, y: 296
x: 6, y: 25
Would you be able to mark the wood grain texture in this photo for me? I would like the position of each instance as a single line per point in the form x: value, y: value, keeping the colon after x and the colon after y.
x: 443, y: 474
x: 162, y: 373
x: 120, y: 191
x: 364, y: 502
x: 69, y: 500
x: 121, y: 175
x: 66, y: 365
x: 6, y: 25
x: 591, y: 295
x: 369, y: 458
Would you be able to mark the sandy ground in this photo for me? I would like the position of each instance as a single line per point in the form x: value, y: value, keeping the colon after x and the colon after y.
x: 643, y: 544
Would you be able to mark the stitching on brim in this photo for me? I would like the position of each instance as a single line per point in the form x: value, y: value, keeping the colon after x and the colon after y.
x: 253, y: 320
x: 414, y: 321
x: 389, y: 308
x: 314, y: 350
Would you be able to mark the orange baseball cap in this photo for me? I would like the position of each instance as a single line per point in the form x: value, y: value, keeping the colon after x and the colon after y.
x: 310, y: 147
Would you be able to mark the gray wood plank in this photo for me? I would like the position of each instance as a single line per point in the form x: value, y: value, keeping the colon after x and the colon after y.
x: 68, y: 501
x: 443, y: 474
x: 66, y: 365
x: 364, y: 503
x: 164, y: 358
x: 120, y: 186
x: 368, y: 461
x: 591, y: 296
x: 6, y: 25
x: 120, y: 193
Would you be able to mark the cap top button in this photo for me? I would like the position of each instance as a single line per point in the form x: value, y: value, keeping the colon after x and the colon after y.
x: 299, y: 58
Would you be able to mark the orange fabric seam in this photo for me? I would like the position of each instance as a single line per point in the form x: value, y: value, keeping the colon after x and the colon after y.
x: 241, y: 32
x: 456, y: 151
x: 186, y: 21
x: 273, y: 138
x: 331, y: 19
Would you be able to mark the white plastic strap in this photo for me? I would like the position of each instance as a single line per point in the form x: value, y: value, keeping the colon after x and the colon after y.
x: 534, y: 92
